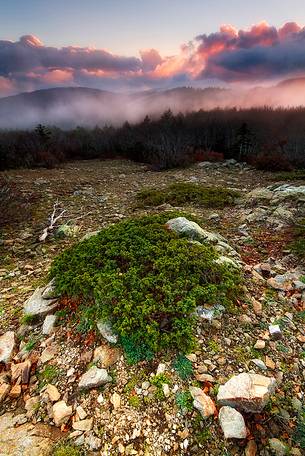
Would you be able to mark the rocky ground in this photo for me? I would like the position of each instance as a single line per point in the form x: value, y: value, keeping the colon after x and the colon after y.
x: 57, y: 384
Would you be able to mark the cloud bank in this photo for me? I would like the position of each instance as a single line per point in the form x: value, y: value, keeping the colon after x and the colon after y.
x: 262, y: 53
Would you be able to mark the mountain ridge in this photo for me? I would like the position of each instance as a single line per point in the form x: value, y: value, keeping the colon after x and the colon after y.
x: 70, y: 106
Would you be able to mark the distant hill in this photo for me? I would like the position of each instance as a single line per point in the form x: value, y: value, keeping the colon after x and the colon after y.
x: 71, y: 106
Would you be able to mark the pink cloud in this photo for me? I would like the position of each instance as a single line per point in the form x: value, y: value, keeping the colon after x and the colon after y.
x: 258, y: 53
x: 151, y: 59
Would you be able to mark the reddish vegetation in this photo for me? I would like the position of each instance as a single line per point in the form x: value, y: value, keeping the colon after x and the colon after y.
x: 208, y: 155
x: 271, y: 244
x: 271, y: 161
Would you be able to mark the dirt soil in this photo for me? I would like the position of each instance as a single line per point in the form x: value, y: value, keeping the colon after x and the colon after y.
x: 95, y: 194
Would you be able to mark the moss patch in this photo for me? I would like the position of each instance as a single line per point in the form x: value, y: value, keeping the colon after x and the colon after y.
x: 67, y: 449
x: 182, y: 193
x: 184, y: 401
x: 146, y: 281
x: 183, y: 367
x: 48, y: 375
x: 298, y: 174
x: 298, y: 244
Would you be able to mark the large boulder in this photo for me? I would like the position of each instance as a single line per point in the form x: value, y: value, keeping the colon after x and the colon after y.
x: 247, y: 392
x: 192, y: 231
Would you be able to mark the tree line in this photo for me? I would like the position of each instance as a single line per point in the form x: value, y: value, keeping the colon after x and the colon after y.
x: 267, y: 138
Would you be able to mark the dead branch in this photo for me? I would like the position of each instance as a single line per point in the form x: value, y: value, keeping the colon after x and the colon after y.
x: 53, y: 220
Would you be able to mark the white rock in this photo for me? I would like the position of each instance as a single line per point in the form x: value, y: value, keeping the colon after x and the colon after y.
x: 75, y: 434
x: 161, y: 368
x: 70, y: 371
x: 93, y: 378
x: 89, y: 235
x: 209, y: 314
x: 115, y: 400
x: 7, y: 344
x: 61, y: 413
x: 193, y: 232
x: 37, y: 306
x: 49, y: 291
x: 260, y: 364
x: 248, y: 392
x: 275, y: 332
x: 83, y: 425
x: 52, y: 392
x: 106, y: 331
x: 100, y: 399
x: 287, y: 190
x: 48, y: 354
x: 93, y: 442
x: 260, y: 344
x: 165, y: 389
x: 48, y: 324
x: 226, y: 260
x: 260, y: 193
x: 81, y: 412
x: 232, y: 423
x: 80, y: 440
x: 202, y: 402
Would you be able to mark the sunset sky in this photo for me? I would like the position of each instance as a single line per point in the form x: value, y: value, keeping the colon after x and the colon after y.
x: 138, y: 45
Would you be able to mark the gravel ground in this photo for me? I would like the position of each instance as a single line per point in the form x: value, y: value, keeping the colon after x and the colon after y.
x: 129, y: 417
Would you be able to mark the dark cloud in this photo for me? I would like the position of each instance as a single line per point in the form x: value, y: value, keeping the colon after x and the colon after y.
x: 285, y: 57
x: 260, y: 53
x: 29, y: 53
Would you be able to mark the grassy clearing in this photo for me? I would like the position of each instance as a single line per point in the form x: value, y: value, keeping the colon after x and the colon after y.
x: 182, y: 193
x: 298, y: 174
x: 146, y: 281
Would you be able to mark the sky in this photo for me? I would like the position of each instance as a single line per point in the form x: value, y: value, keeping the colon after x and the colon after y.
x: 137, y: 45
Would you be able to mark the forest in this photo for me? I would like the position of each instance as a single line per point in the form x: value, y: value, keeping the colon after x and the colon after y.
x: 266, y: 138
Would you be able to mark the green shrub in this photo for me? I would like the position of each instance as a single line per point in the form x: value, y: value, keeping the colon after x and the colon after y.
x: 184, y: 401
x: 135, y: 350
x: 187, y: 192
x: 146, y: 281
x: 183, y: 367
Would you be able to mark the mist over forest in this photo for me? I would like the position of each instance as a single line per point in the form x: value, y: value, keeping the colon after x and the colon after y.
x: 80, y: 106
